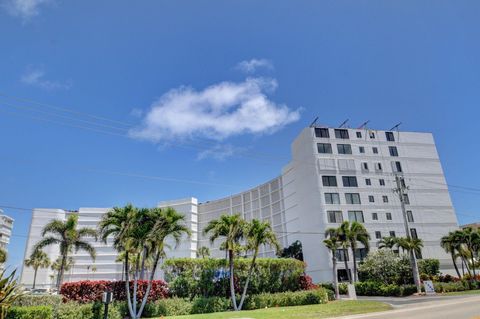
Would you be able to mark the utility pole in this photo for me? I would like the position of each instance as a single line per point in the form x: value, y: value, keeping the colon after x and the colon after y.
x: 401, y: 191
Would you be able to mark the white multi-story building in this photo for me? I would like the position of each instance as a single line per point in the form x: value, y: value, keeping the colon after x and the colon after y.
x: 6, y: 226
x: 334, y: 175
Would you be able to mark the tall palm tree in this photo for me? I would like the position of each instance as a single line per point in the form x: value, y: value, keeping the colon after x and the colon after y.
x: 471, y: 240
x: 413, y: 246
x: 203, y: 252
x: 38, y: 259
x: 387, y: 242
x: 333, y: 244
x: 169, y: 224
x: 450, y: 245
x: 344, y: 245
x: 355, y: 233
x: 258, y: 234
x: 67, y: 235
x: 232, y: 229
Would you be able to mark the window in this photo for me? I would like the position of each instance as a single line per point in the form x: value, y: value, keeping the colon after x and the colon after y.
x: 368, y: 182
x: 321, y: 132
x: 375, y: 150
x: 346, y: 165
x: 378, y: 166
x: 413, y: 233
x: 397, y: 167
x: 374, y: 216
x: 372, y: 134
x: 361, y: 149
x: 385, y: 198
x: 392, y: 234
x: 359, y: 134
x: 389, y: 216
x: 352, y: 198
x: 406, y: 200
x: 344, y: 149
x: 360, y: 254
x: 340, y: 133
x: 382, y: 182
x: 335, y: 217
x: 324, y: 148
x: 329, y: 181
x: 355, y: 216
x: 390, y: 137
x: 393, y: 150
x: 371, y: 199
x: 341, y: 254
x: 378, y: 234
x: 410, y: 216
x: 365, y: 166
x: 349, y: 181
x: 332, y: 198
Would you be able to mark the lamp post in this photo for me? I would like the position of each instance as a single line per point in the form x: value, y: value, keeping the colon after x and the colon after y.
x: 106, y: 299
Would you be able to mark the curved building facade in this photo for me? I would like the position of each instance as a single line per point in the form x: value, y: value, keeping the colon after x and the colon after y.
x: 336, y: 174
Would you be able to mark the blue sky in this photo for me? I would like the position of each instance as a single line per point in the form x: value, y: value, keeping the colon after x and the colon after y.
x: 136, y: 67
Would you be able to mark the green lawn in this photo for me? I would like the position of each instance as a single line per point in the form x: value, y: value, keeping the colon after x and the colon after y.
x: 467, y: 292
x: 332, y: 309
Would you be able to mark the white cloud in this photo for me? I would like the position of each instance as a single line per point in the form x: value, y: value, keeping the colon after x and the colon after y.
x: 24, y: 9
x: 36, y: 77
x: 252, y: 65
x: 219, y: 111
x: 219, y: 152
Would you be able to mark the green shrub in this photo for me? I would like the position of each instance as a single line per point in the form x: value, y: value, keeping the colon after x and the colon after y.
x: 285, y: 299
x: 210, y: 304
x: 190, y: 278
x: 441, y: 287
x: 38, y: 300
x: 374, y: 288
x: 385, y: 266
x: 429, y: 267
x: 30, y: 312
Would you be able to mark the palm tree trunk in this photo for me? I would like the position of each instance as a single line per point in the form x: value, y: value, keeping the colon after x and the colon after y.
x: 354, y: 264
x: 335, y: 279
x: 232, y: 280
x: 135, y: 283
x: 452, y: 254
x: 345, y: 257
x: 127, y: 287
x: 250, y: 272
x: 149, y: 286
x: 144, y: 256
x: 466, y: 265
x: 35, y: 277
x: 61, y: 270
x: 416, y: 275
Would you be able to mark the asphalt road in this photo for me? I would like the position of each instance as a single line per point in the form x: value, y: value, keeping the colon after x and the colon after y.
x: 450, y: 307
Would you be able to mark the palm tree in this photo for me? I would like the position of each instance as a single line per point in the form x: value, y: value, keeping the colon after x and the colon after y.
x: 344, y: 244
x: 387, y: 242
x: 258, y: 234
x: 449, y: 244
x: 333, y: 244
x: 471, y: 240
x: 203, y: 252
x: 355, y: 232
x: 38, y: 259
x: 69, y: 238
x: 141, y: 233
x: 232, y: 229
x: 413, y: 246
x: 10, y: 290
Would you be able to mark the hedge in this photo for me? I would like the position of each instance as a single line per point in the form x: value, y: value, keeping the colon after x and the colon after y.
x: 31, y: 312
x: 89, y: 291
x: 372, y: 288
x: 207, y: 277
x: 28, y: 300
x: 183, y: 306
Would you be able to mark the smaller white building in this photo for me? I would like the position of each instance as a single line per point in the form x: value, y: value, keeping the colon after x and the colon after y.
x: 6, y: 226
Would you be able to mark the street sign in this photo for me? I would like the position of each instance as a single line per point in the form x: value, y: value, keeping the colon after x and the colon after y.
x: 429, y: 288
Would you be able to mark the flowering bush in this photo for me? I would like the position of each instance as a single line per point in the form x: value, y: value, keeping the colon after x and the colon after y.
x: 306, y: 283
x: 88, y: 291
